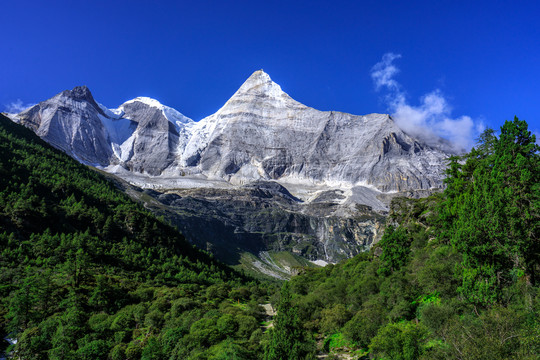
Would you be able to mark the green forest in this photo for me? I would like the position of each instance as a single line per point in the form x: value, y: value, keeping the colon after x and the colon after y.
x: 86, y: 273
x: 455, y: 276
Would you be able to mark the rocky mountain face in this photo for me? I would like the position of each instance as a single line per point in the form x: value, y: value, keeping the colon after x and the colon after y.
x: 72, y: 121
x: 263, y: 219
x: 262, y: 133
x: 141, y: 135
x: 160, y: 133
x: 265, y: 172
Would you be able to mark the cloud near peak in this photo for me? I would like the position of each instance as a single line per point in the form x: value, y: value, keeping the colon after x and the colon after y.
x: 384, y: 71
x: 17, y: 106
x: 432, y: 118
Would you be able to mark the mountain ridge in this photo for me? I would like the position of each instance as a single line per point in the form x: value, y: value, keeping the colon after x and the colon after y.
x: 341, y: 169
x: 260, y: 133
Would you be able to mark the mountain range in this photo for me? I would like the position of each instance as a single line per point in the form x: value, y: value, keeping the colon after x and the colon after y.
x: 315, y: 168
x: 260, y: 133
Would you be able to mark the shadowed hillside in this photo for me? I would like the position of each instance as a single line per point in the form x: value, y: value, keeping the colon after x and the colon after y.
x: 86, y: 273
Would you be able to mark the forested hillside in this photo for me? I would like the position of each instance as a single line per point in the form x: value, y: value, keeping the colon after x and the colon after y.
x: 455, y: 276
x: 85, y: 273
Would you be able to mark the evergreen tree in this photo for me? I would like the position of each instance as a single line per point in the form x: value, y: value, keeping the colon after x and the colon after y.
x: 492, y: 211
x: 395, y: 246
x: 86, y: 273
x: 287, y: 338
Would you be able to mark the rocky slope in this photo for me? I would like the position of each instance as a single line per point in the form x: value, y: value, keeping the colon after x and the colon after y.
x: 141, y: 135
x: 262, y: 133
x: 264, y: 219
x: 72, y: 121
x: 264, y: 172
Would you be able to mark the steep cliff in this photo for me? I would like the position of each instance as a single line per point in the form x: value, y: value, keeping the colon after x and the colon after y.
x: 263, y: 175
x: 262, y: 133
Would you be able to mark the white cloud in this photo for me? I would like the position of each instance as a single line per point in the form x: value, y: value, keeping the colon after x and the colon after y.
x: 384, y: 71
x: 17, y: 106
x: 432, y: 118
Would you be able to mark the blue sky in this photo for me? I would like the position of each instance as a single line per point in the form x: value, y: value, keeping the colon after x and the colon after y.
x: 450, y: 66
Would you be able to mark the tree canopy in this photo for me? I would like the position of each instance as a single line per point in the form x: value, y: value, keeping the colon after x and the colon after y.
x: 491, y: 211
x: 87, y: 273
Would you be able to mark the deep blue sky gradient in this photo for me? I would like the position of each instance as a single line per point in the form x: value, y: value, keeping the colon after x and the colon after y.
x: 193, y: 55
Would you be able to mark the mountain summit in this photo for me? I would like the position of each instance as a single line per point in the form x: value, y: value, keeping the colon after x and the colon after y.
x: 261, y: 133
x: 260, y: 84
x: 72, y: 122
x: 264, y: 173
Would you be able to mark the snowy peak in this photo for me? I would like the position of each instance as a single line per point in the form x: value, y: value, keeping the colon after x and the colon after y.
x: 258, y: 78
x: 145, y: 100
x: 169, y: 113
x: 141, y: 135
x: 259, y: 84
x: 260, y: 133
x: 80, y: 94
x: 71, y: 121
x: 259, y: 95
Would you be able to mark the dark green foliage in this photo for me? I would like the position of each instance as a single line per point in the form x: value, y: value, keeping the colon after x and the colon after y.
x: 395, y: 245
x: 399, y: 341
x: 288, y: 339
x: 365, y: 323
x: 457, y: 277
x: 491, y: 212
x: 85, y: 273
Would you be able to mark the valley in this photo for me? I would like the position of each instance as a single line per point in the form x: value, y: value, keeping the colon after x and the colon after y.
x: 88, y: 273
x: 372, y: 194
x: 250, y: 226
x: 262, y: 176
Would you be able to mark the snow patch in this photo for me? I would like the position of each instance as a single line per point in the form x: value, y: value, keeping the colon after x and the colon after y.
x: 145, y: 100
x: 173, y: 115
x: 119, y: 130
x: 321, y: 263
x: 261, y: 81
x: 112, y: 113
x: 13, y: 117
x: 121, y: 133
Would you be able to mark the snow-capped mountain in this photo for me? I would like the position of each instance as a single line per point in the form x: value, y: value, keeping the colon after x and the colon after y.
x: 141, y: 135
x: 159, y: 138
x: 326, y: 178
x: 71, y: 121
x: 260, y: 133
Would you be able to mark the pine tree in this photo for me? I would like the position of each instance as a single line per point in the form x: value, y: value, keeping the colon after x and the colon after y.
x: 492, y: 211
x: 395, y: 245
x: 287, y: 338
x: 517, y: 170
